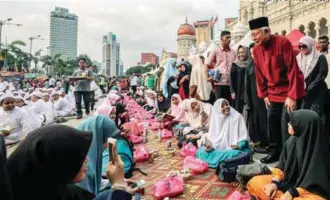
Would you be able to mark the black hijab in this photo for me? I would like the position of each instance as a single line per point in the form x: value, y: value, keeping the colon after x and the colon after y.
x: 305, y: 158
x: 5, y: 188
x: 164, y: 105
x: 47, y: 161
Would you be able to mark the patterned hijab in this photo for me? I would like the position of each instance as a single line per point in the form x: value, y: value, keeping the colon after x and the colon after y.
x: 243, y: 63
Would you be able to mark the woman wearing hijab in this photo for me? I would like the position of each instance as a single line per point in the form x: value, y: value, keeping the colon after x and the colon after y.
x: 109, y: 111
x: 198, y: 117
x: 176, y: 110
x: 15, y: 121
x: 121, y: 114
x: 151, y: 97
x: 102, y: 128
x: 5, y: 189
x: 256, y: 109
x: 112, y: 99
x: 303, y: 169
x: 237, y: 77
x: 184, y: 80
x: 169, y: 81
x: 227, y: 137
x: 162, y: 103
x: 314, y: 66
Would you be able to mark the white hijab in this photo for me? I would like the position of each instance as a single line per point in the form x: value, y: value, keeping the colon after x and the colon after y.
x: 151, y: 102
x: 225, y: 130
x: 194, y: 119
x: 308, y: 62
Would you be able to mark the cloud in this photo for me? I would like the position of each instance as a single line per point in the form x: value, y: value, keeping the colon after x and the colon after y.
x: 140, y: 25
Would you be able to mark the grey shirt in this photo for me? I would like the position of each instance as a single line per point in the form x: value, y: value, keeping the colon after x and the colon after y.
x: 82, y: 85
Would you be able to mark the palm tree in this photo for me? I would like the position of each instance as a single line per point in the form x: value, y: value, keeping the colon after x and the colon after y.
x: 14, y: 55
x: 36, y: 58
x: 50, y: 61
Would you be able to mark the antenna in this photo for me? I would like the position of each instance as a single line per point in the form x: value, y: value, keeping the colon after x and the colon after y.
x: 186, y: 19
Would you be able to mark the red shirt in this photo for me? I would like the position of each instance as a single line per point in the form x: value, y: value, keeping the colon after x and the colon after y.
x: 277, y: 72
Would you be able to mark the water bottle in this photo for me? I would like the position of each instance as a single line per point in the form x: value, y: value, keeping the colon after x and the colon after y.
x: 159, y: 136
x: 145, y: 136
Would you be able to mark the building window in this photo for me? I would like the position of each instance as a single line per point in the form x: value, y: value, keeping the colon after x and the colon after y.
x: 283, y: 32
x: 323, y: 27
x: 252, y: 13
x: 301, y: 28
x: 311, y: 29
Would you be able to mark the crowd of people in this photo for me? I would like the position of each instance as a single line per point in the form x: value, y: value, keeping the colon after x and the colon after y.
x: 266, y: 98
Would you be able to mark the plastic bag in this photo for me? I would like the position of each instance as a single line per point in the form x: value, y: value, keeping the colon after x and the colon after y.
x: 196, y: 165
x: 166, y: 134
x: 141, y: 154
x: 238, y: 196
x: 168, y: 187
x: 188, y: 150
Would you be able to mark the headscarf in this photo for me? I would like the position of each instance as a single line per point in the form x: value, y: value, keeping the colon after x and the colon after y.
x: 194, y: 119
x: 243, y: 63
x: 151, y: 102
x: 103, y: 128
x: 225, y: 130
x: 170, y: 70
x: 105, y: 110
x: 176, y: 111
x: 199, y: 77
x: 5, y: 96
x: 305, y: 157
x: 164, y: 105
x: 193, y: 92
x: 22, y: 99
x: 47, y: 161
x: 112, y: 99
x: 5, y: 189
x: 308, y: 62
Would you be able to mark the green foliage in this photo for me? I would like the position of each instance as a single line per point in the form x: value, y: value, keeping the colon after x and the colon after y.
x: 138, y: 70
x: 14, y: 54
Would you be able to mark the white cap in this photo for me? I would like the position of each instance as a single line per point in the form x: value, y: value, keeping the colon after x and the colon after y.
x: 37, y: 94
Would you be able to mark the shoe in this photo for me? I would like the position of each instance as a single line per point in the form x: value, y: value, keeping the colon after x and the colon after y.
x: 270, y: 158
x: 262, y: 150
x: 79, y: 117
x: 87, y: 112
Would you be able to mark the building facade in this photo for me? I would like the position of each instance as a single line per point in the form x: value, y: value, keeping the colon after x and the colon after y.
x: 63, y: 33
x: 309, y: 17
x: 150, y: 58
x: 204, y: 31
x: 186, y: 40
x: 110, y: 55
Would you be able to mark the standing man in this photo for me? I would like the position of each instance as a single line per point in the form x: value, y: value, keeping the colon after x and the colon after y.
x: 134, y: 82
x: 222, y: 58
x: 52, y: 81
x: 82, y: 87
x: 93, y: 87
x: 324, y: 49
x: 279, y: 82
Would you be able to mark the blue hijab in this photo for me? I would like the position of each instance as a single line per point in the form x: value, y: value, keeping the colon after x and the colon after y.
x: 170, y: 70
x: 102, y: 128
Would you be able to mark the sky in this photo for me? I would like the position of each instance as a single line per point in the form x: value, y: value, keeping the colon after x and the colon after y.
x: 140, y: 25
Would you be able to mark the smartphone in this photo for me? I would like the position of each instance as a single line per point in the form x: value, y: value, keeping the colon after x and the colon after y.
x: 139, y: 184
x: 111, y: 142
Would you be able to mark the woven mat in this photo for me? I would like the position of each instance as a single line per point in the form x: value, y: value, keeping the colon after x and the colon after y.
x: 204, y: 187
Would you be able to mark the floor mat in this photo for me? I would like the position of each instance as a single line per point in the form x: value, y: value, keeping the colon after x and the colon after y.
x: 204, y: 187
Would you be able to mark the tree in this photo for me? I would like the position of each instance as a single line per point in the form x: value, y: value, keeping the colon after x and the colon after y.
x: 36, y: 57
x: 88, y: 59
x: 14, y: 55
x: 137, y: 70
x: 49, y: 61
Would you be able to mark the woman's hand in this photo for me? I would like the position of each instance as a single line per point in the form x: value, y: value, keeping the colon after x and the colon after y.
x: 286, y: 196
x: 208, y: 148
x: 115, y: 169
x: 233, y: 95
x: 270, y: 190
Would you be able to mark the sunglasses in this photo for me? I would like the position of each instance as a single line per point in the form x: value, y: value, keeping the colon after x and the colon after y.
x: 302, y: 46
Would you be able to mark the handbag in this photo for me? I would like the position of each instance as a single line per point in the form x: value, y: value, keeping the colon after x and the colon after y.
x: 188, y: 150
x: 239, y: 196
x: 226, y: 170
x: 196, y: 165
x: 171, y: 186
x: 245, y: 172
x: 166, y: 134
x: 141, y: 154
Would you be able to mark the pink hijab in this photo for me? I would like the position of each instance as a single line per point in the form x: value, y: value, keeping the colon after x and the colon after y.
x: 176, y: 111
x: 105, y: 110
x: 111, y: 99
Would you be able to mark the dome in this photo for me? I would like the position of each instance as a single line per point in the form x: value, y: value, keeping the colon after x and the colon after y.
x: 239, y: 28
x: 186, y: 29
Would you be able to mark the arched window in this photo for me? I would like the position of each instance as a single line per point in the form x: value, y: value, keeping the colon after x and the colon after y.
x: 301, y: 28
x: 323, y: 27
x: 311, y: 29
x: 283, y: 32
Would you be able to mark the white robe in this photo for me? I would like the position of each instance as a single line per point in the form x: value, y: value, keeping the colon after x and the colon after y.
x: 19, y: 121
x: 39, y: 109
x: 50, y: 113
x: 62, y: 108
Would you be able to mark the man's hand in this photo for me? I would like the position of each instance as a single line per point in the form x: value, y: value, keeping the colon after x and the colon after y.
x: 267, y: 102
x: 286, y: 196
x: 290, y: 105
x: 270, y: 190
x: 233, y: 95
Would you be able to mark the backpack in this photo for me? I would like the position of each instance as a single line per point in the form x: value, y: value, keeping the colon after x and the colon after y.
x: 125, y: 151
x: 226, y: 170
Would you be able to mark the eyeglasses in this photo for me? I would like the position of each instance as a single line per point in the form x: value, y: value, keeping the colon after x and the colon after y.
x: 304, y: 46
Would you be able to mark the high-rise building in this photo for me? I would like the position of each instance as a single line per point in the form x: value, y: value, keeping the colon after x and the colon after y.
x: 111, y: 55
x: 63, y: 33
x: 149, y: 58
x: 121, y: 68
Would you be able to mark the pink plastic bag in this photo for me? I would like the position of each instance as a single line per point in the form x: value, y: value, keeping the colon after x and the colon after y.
x: 156, y: 125
x: 168, y: 187
x: 135, y: 139
x: 141, y: 154
x: 188, y: 150
x: 132, y: 127
x: 196, y: 165
x: 166, y: 134
x: 238, y: 196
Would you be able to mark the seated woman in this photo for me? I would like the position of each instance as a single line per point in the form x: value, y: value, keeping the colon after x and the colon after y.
x: 162, y: 103
x: 178, y: 113
x: 102, y: 128
x: 15, y: 121
x: 303, y: 168
x: 151, y: 100
x: 227, y: 136
x: 198, y: 118
x: 107, y: 110
x: 121, y: 114
x: 37, y: 171
x: 112, y: 99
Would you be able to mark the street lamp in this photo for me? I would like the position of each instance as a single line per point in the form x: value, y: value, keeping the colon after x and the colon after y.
x: 38, y: 37
x: 5, y: 22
